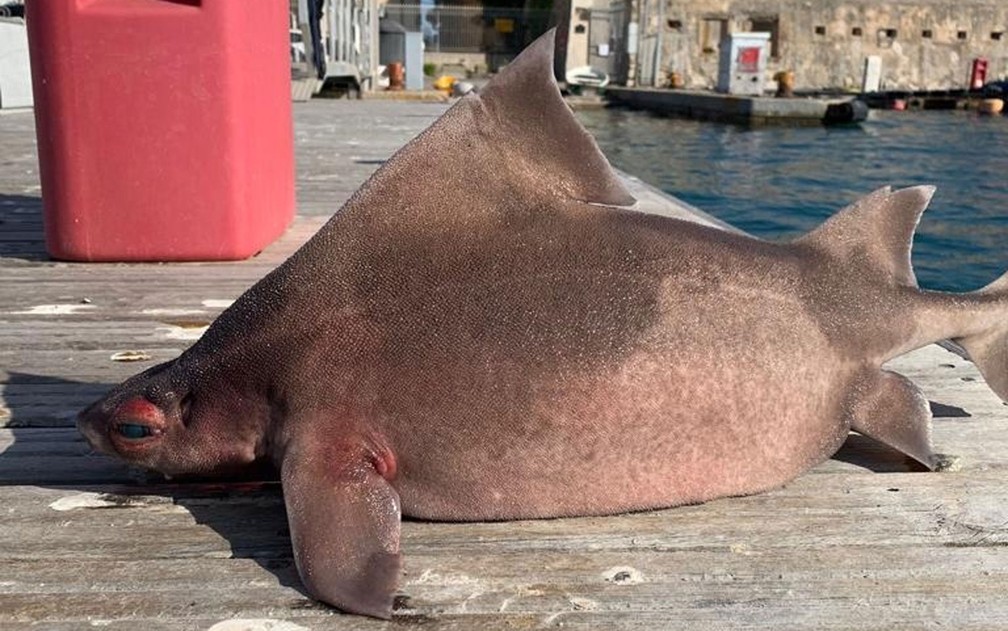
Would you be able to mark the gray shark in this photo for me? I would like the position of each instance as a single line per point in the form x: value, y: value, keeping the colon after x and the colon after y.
x: 489, y: 330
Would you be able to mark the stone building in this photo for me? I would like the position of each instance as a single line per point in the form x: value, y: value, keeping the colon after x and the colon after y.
x: 922, y: 44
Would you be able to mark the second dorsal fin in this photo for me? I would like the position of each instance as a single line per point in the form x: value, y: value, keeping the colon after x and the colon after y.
x: 878, y: 229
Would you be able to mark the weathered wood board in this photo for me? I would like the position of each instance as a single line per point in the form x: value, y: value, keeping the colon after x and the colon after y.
x: 864, y: 541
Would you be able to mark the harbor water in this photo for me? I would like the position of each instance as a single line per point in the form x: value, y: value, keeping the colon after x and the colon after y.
x: 779, y: 182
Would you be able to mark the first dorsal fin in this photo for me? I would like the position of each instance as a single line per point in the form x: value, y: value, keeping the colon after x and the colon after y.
x: 878, y: 229
x: 532, y: 119
x: 516, y: 135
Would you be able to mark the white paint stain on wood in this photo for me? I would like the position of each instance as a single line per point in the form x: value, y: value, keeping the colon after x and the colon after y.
x: 91, y: 500
x: 256, y: 625
x: 81, y: 500
x: 172, y: 312
x: 57, y: 309
x: 215, y: 303
x: 130, y: 356
x: 173, y: 332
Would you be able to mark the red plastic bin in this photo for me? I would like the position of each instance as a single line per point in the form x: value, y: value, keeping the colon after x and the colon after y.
x: 164, y: 127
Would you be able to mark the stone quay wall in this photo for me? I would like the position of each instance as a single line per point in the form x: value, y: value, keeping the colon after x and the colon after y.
x: 923, y: 44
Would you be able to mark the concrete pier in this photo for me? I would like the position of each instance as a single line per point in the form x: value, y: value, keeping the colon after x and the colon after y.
x: 746, y: 110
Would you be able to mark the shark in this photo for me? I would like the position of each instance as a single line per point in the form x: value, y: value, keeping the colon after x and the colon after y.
x: 489, y: 329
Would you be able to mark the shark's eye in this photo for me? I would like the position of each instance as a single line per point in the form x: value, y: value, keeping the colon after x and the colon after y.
x: 134, y: 431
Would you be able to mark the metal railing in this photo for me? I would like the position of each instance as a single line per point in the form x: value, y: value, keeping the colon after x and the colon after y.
x: 497, y: 30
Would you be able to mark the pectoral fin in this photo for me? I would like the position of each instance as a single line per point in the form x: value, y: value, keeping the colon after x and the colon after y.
x: 344, y: 524
x: 889, y: 408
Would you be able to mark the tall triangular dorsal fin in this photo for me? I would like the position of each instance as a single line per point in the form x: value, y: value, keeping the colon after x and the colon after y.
x: 523, y: 115
x: 532, y: 119
x: 514, y: 147
x: 877, y: 229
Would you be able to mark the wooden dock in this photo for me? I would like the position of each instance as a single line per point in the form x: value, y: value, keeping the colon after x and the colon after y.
x: 865, y: 541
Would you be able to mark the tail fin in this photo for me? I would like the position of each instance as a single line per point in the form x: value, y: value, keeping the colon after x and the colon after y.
x: 877, y: 230
x: 989, y: 349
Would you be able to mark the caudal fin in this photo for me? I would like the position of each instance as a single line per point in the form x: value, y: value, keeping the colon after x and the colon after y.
x: 989, y: 348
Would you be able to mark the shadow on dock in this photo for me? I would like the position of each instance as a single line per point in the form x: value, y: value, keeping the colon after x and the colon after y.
x: 21, y: 233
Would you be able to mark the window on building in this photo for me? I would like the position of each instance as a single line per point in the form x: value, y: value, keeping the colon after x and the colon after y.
x: 768, y: 24
x: 927, y: 33
x: 820, y: 30
x: 675, y: 25
x: 886, y: 37
x: 712, y: 29
x: 856, y: 31
x: 962, y: 35
x: 997, y: 35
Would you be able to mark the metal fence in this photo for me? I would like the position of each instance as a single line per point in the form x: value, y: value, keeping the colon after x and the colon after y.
x: 494, y: 30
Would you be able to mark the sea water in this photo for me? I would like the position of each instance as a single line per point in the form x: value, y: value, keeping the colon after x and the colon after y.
x: 779, y: 182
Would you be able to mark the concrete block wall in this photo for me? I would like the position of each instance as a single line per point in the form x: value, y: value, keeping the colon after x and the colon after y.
x: 923, y: 44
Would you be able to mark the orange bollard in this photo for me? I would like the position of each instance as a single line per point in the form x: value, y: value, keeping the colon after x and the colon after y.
x: 396, y: 75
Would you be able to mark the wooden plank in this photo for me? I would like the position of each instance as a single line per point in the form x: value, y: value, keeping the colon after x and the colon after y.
x: 872, y: 547
x: 839, y: 509
x: 882, y: 601
x: 865, y: 540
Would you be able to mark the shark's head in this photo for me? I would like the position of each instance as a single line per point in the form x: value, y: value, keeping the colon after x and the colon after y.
x: 178, y: 421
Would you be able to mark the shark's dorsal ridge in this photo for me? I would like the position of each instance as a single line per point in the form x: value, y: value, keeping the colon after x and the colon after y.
x: 879, y: 228
x: 517, y: 134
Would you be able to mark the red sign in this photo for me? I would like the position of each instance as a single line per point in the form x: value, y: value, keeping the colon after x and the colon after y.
x: 748, y: 59
x: 978, y: 73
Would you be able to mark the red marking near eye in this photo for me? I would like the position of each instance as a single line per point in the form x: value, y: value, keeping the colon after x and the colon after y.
x: 141, y: 410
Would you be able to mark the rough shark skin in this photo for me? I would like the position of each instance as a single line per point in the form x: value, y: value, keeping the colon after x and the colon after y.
x: 488, y: 330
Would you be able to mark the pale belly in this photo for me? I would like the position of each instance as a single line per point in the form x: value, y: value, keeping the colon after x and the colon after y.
x: 659, y: 431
